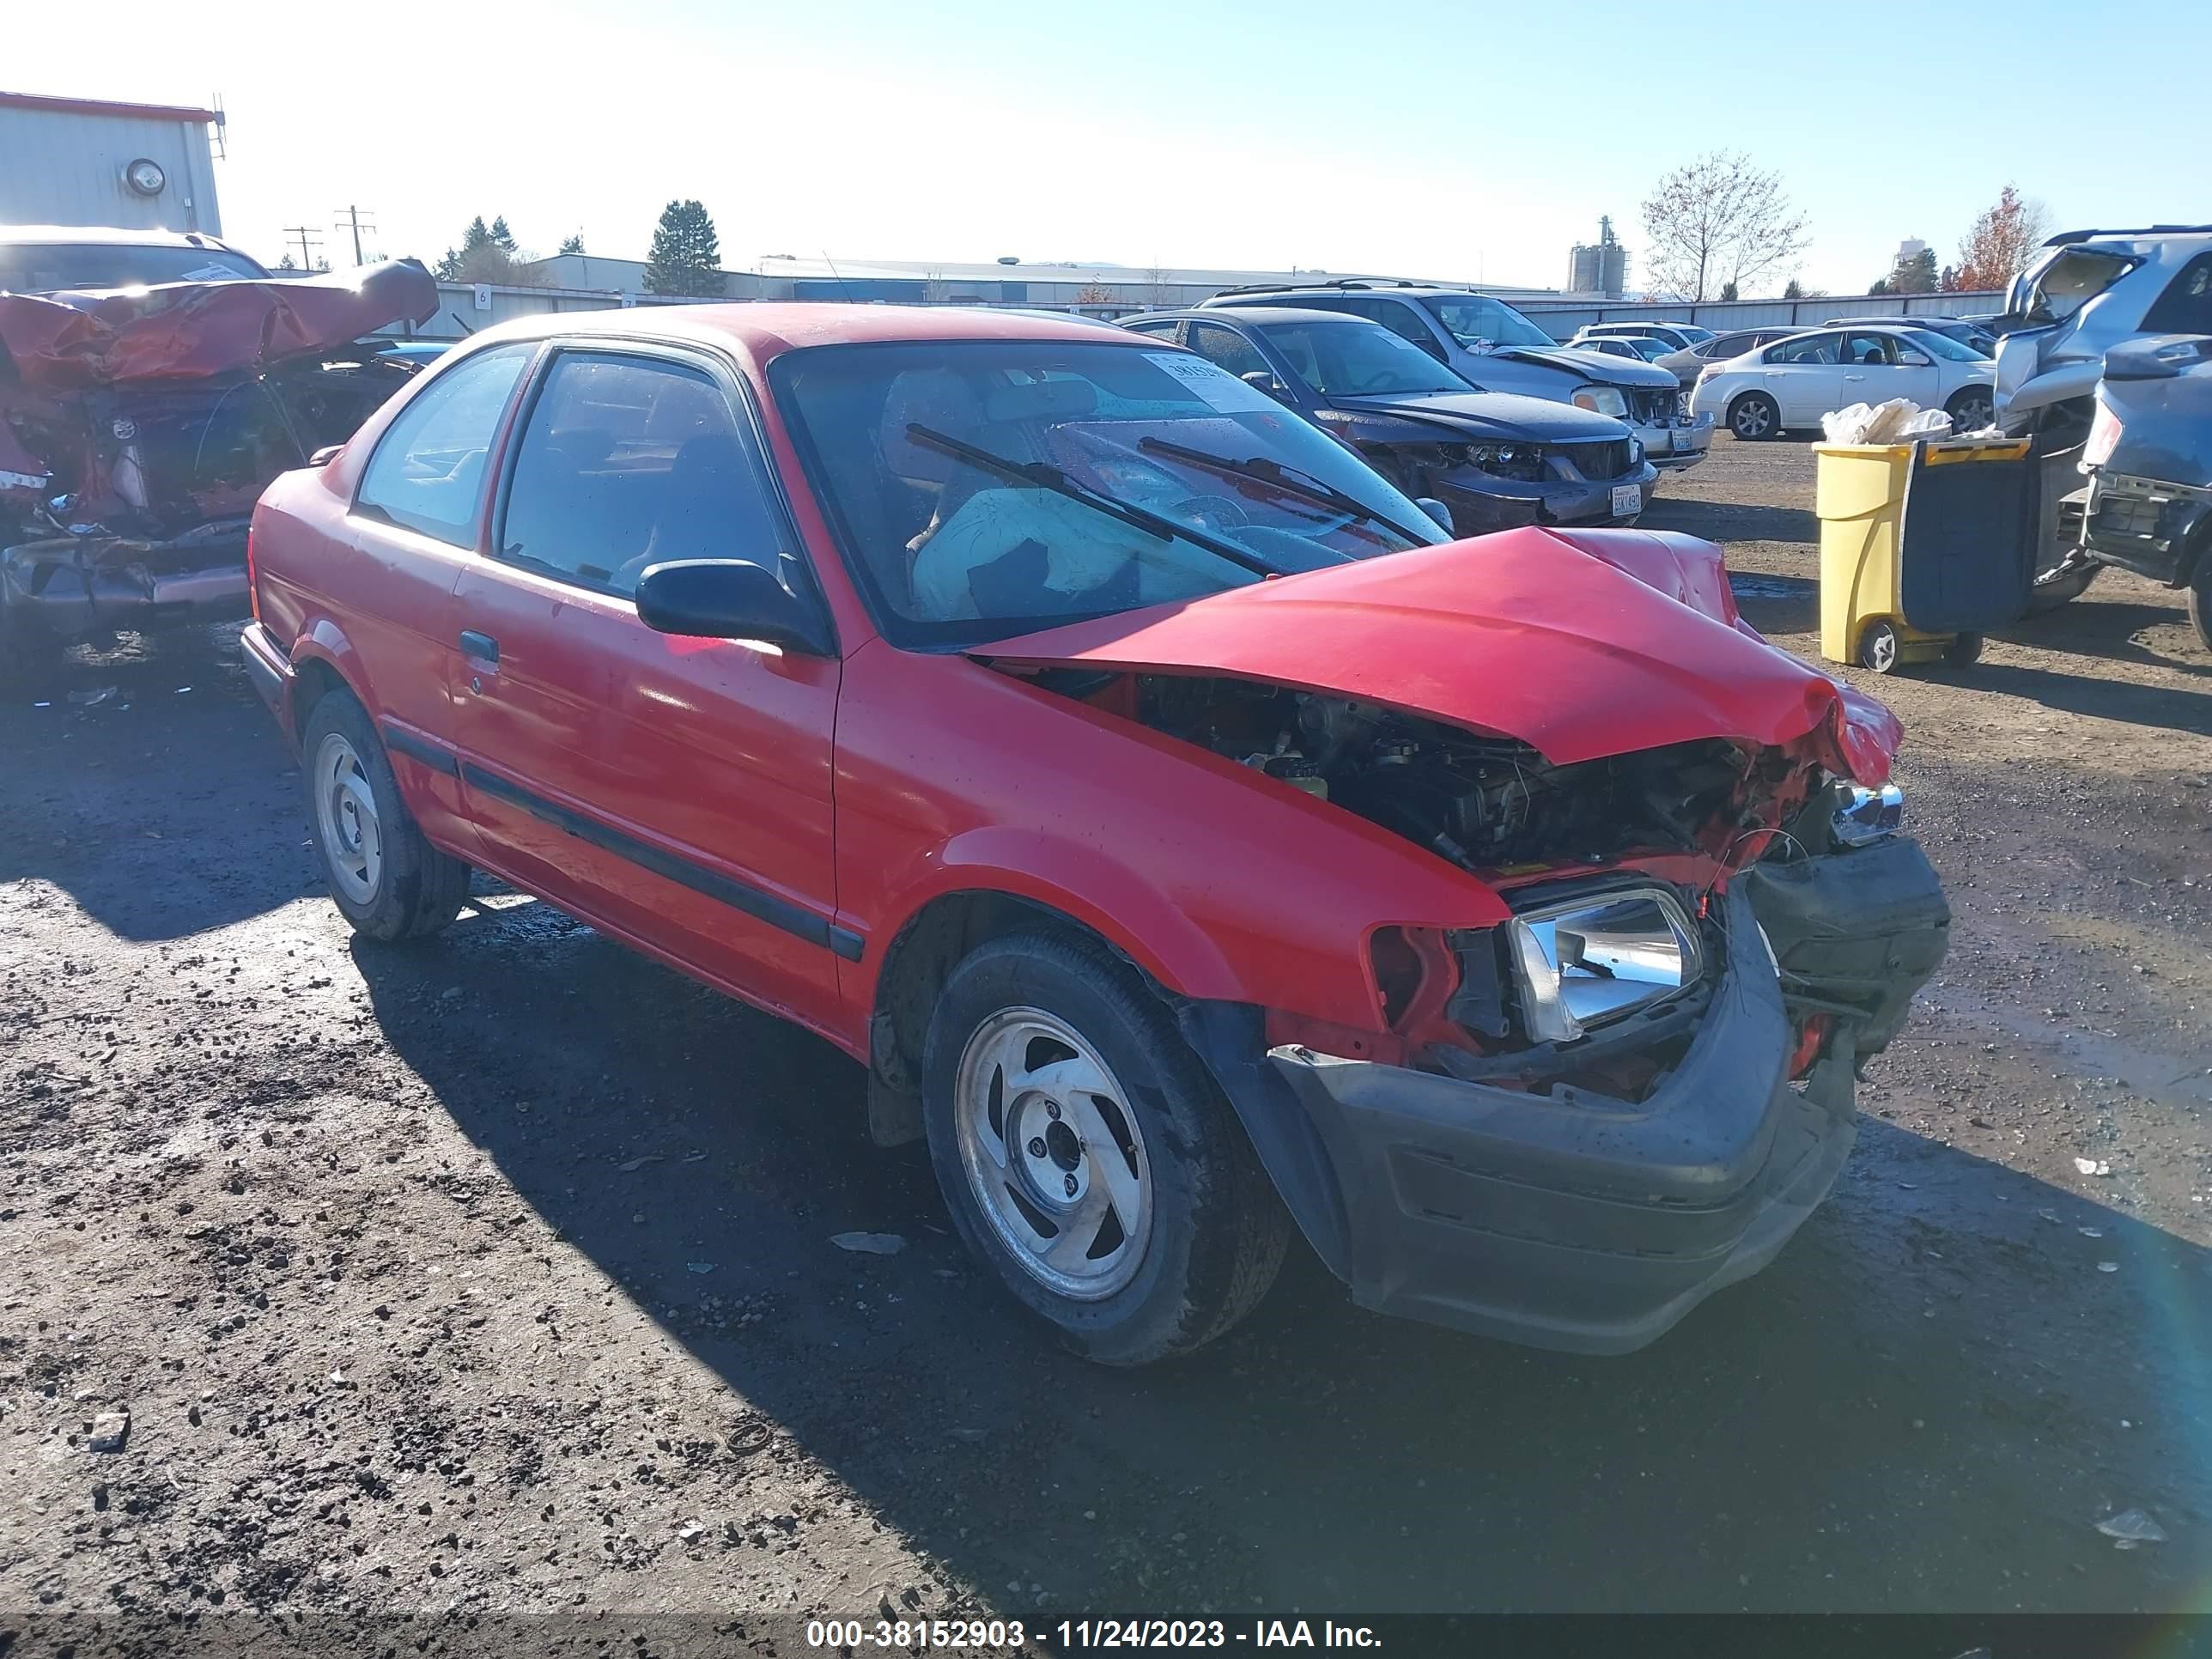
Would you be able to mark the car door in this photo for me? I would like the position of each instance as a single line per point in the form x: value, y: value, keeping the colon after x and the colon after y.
x: 414, y: 522
x: 676, y: 790
x: 1805, y: 377
x: 1878, y: 366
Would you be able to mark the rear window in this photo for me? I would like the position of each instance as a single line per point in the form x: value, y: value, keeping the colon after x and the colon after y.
x: 2072, y: 280
x: 45, y: 268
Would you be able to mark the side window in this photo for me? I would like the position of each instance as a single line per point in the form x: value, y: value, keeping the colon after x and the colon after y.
x: 628, y: 461
x: 2186, y: 307
x: 1877, y: 350
x: 1400, y: 319
x: 1158, y: 330
x: 1813, y: 348
x: 427, y: 472
x: 1228, y: 348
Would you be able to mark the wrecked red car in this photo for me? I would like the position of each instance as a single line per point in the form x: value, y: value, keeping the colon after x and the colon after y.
x: 138, y: 426
x: 1190, y: 849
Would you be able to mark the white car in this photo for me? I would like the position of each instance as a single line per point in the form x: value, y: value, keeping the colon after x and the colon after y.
x: 1794, y: 382
x: 1679, y: 336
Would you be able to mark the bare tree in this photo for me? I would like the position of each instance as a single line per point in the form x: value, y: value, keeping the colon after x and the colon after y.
x: 2003, y: 241
x: 1157, y: 275
x: 1715, y: 221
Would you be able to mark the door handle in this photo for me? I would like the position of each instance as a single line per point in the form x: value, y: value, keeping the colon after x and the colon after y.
x: 482, y: 647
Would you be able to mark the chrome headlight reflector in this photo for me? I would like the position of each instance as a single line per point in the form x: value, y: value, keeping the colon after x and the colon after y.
x: 1863, y: 815
x: 1587, y: 961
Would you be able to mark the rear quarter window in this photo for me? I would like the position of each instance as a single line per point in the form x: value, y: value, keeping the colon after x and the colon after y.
x: 2186, y: 307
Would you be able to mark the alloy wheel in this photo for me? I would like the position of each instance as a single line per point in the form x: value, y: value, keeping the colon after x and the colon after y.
x: 1054, y: 1153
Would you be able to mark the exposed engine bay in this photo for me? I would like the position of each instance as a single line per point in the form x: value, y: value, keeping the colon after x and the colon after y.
x: 1483, y: 802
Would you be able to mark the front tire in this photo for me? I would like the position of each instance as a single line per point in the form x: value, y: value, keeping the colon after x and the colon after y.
x: 1086, y: 1155
x: 384, y: 875
x: 1754, y: 417
x: 2200, y: 600
x: 1970, y: 410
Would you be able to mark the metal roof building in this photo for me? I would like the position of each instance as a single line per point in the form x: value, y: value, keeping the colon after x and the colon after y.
x: 85, y: 162
x: 1098, y: 288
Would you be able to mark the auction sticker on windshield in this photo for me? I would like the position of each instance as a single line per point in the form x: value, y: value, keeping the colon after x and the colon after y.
x: 1627, y: 500
x: 1222, y: 390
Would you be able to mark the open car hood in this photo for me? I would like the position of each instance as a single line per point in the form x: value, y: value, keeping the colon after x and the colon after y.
x: 1580, y: 643
x: 69, y: 341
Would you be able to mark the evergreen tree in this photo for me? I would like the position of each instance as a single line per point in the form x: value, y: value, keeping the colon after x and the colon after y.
x: 687, y: 256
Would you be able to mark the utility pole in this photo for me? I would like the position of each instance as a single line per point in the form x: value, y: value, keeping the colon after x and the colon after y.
x: 307, y: 260
x: 352, y: 216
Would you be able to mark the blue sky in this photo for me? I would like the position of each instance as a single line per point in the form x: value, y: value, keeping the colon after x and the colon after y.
x: 1437, y: 140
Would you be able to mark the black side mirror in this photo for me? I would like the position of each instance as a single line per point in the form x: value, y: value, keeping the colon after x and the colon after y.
x: 1259, y: 380
x: 728, y: 599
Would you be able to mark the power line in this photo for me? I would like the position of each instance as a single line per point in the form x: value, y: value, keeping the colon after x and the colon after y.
x: 352, y: 216
x: 306, y: 259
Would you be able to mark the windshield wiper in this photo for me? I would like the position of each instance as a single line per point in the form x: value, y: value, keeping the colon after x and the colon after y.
x: 1285, y: 479
x: 1045, y: 476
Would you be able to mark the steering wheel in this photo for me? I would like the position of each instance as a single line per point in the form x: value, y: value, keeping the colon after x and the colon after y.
x: 1215, y: 512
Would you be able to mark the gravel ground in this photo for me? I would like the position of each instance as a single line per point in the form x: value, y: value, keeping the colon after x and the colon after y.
x: 494, y: 1277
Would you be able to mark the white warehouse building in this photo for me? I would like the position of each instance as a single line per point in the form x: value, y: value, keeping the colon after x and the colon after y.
x: 85, y: 162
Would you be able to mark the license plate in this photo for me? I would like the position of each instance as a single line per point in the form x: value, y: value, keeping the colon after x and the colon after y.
x: 1627, y: 500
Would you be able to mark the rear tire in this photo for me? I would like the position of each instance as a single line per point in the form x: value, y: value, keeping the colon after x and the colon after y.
x: 384, y: 875
x: 1086, y: 1155
x: 2200, y: 600
x: 1754, y: 417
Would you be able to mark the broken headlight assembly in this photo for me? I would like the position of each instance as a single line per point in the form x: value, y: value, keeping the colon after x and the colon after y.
x: 1863, y: 815
x: 1524, y: 463
x: 1582, y: 962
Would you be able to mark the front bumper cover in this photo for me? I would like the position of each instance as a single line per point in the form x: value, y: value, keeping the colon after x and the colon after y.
x: 1673, y: 446
x: 1481, y: 503
x: 1570, y: 1220
x: 71, y: 587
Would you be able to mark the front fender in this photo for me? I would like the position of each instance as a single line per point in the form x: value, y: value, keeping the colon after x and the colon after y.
x: 1112, y: 899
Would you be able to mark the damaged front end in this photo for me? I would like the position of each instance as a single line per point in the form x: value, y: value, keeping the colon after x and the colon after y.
x: 1570, y: 1127
x: 138, y: 428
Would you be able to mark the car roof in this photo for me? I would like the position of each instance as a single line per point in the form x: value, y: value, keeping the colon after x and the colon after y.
x: 1250, y: 314
x: 110, y: 235
x: 766, y: 329
x: 1891, y: 321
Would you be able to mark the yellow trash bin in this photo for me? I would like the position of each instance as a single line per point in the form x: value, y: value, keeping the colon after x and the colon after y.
x: 1860, y: 498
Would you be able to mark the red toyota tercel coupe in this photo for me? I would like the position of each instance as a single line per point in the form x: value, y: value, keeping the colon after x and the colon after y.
x: 1190, y: 839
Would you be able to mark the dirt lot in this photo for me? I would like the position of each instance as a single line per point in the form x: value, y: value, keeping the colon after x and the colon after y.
x: 496, y: 1276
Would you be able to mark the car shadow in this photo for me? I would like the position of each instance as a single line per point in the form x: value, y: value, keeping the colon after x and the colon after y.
x: 1731, y: 521
x: 78, y: 750
x: 1917, y: 1406
x: 1776, y: 605
x: 2170, y: 708
x: 2108, y: 629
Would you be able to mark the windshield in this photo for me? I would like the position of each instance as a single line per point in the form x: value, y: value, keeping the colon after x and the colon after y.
x: 1942, y: 346
x: 45, y: 268
x: 983, y: 489
x: 1473, y: 319
x: 1359, y: 359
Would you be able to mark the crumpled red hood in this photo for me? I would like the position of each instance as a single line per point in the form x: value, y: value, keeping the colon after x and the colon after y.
x: 65, y: 342
x: 1579, y: 643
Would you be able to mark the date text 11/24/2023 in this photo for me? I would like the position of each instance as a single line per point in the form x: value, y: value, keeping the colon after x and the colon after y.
x: 1084, y: 1635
